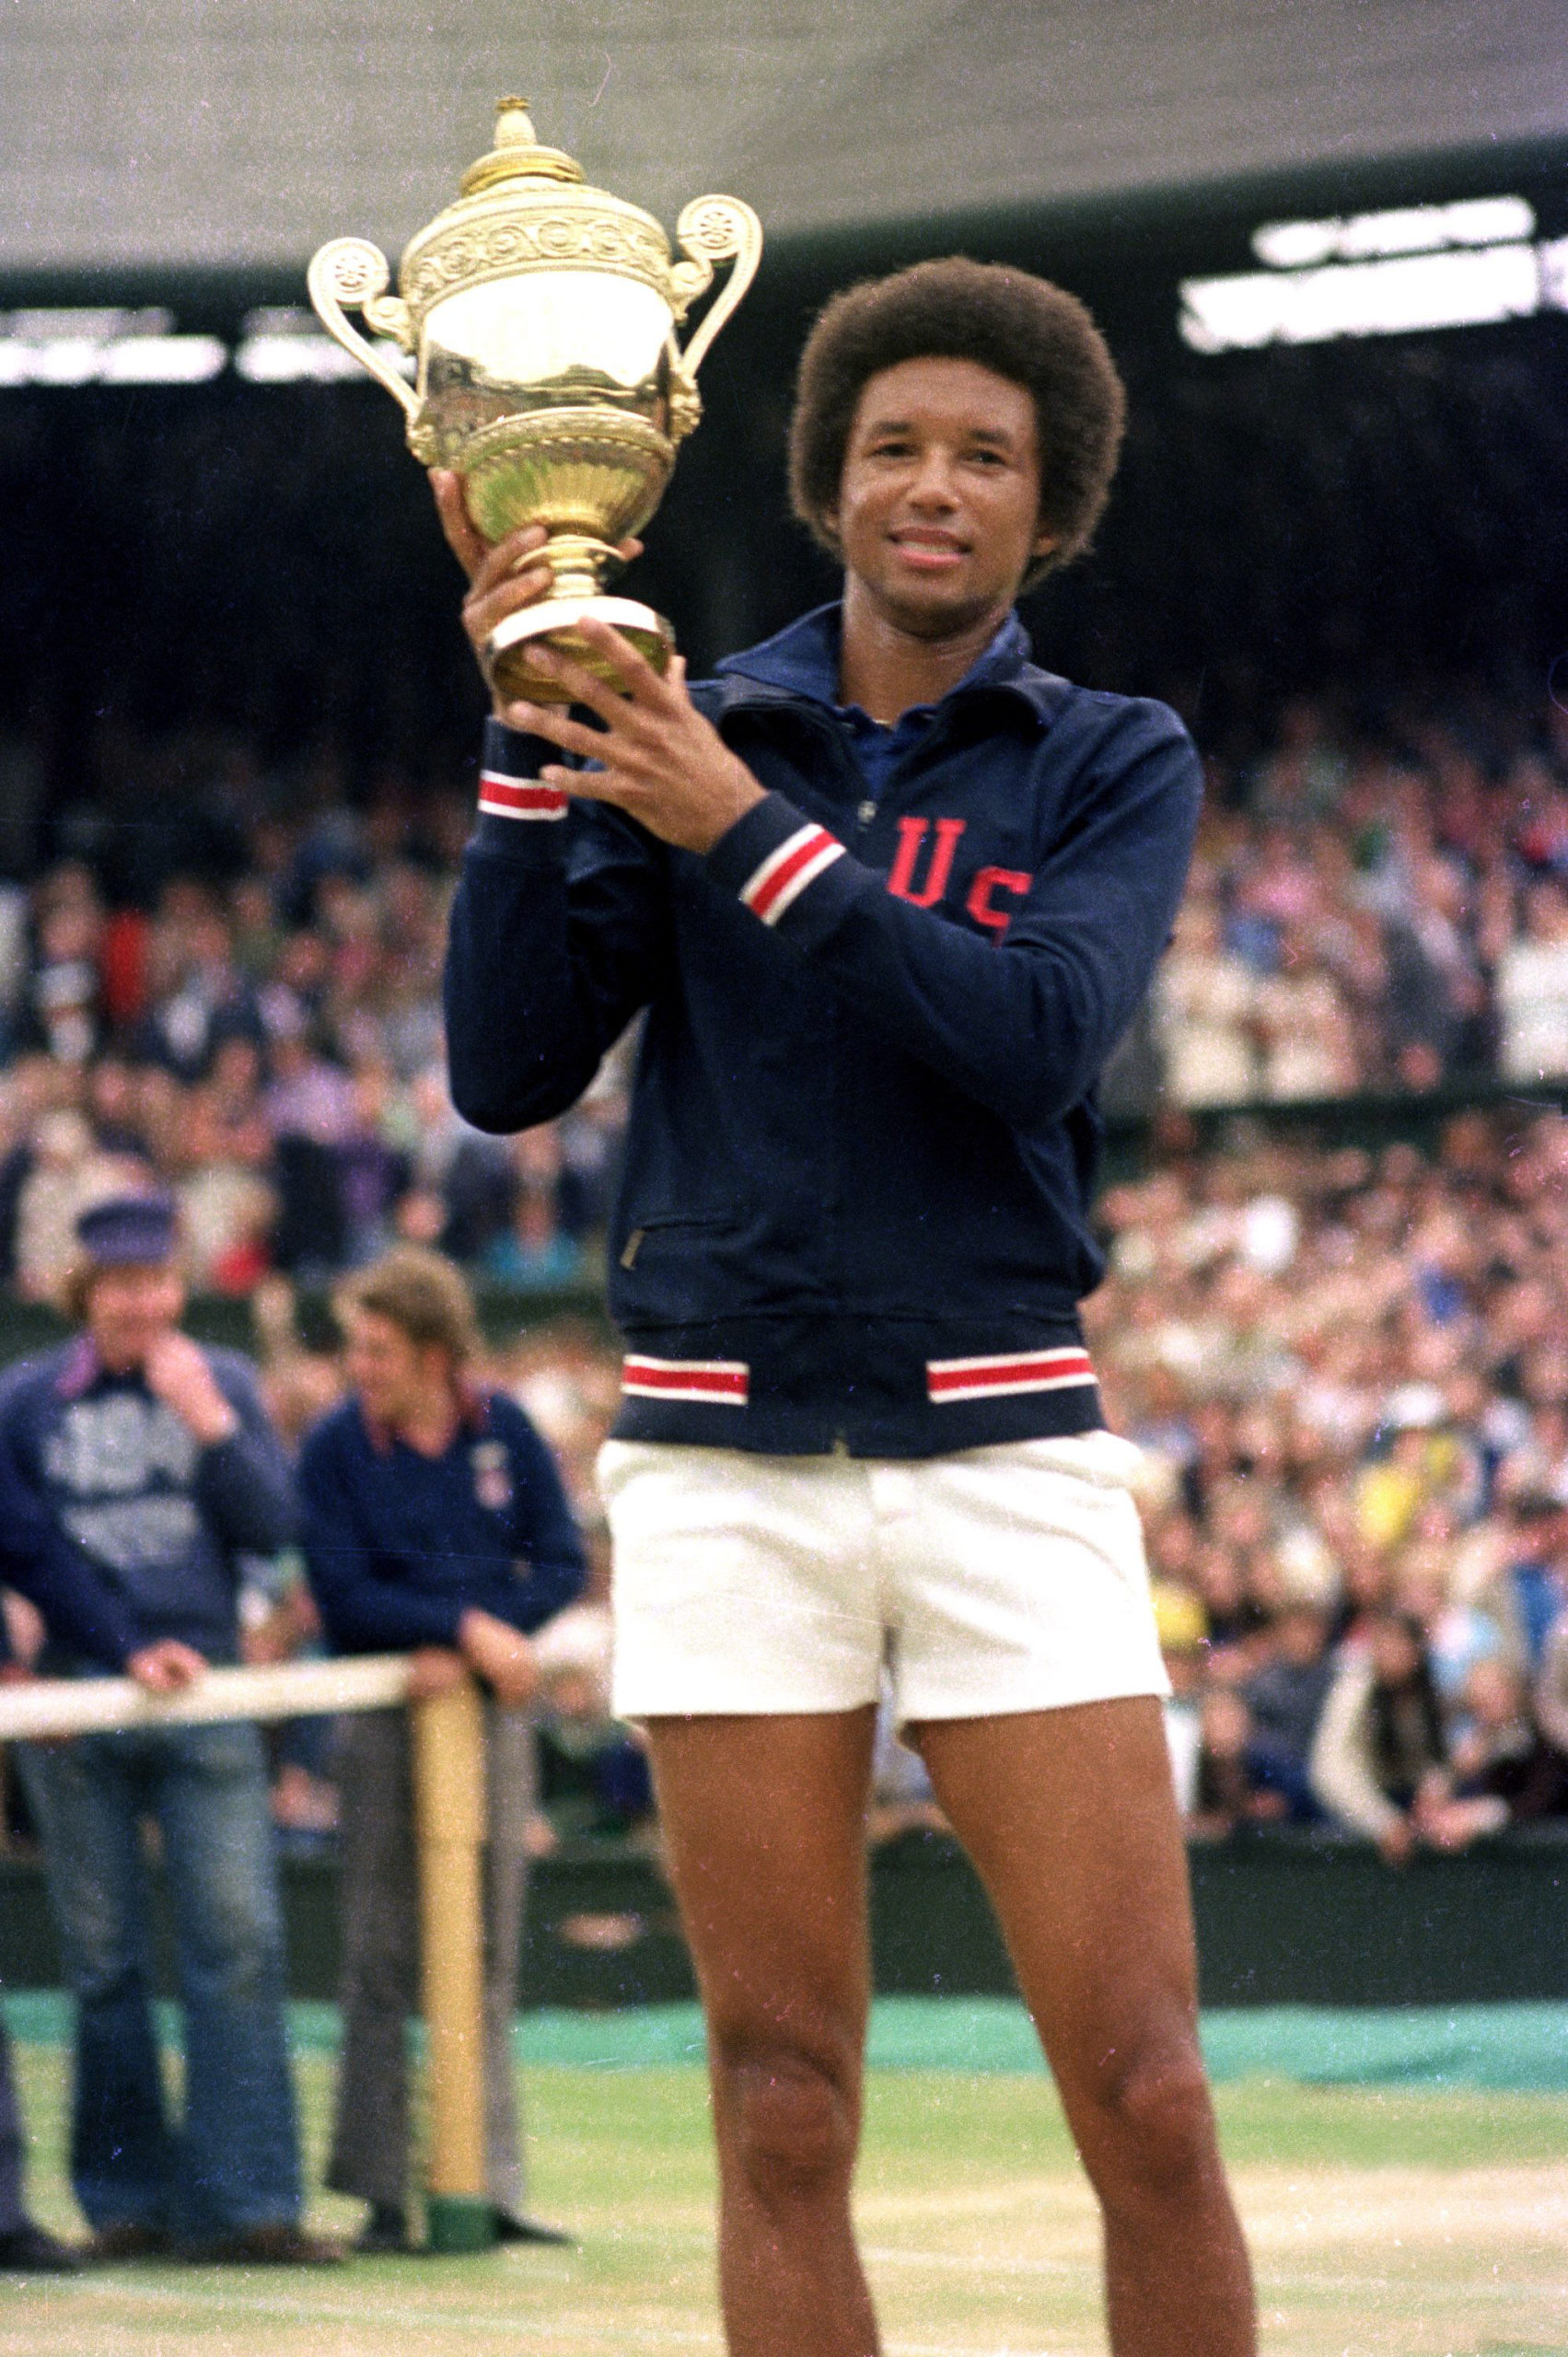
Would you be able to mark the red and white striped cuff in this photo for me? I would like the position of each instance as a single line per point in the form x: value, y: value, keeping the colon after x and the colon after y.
x: 774, y: 886
x: 950, y: 1380
x: 715, y: 1383
x: 520, y: 798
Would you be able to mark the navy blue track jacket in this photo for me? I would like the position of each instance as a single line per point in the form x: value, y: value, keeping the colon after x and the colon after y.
x: 135, y: 1530
x: 399, y: 1545
x: 854, y: 1208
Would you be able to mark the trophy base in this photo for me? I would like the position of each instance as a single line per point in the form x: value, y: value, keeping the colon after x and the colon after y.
x: 508, y: 664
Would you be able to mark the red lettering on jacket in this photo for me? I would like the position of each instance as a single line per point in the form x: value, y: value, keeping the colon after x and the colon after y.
x: 912, y: 835
x: 996, y: 879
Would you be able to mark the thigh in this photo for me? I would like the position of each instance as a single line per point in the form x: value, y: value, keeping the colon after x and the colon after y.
x: 379, y: 1898
x: 511, y: 1776
x: 1071, y: 1820
x: 86, y: 1802
x: 209, y: 1794
x: 764, y: 1823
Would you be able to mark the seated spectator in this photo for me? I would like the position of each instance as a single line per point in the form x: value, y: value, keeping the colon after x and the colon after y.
x: 1183, y: 1634
x: 1380, y: 1761
x: 1205, y: 1020
x: 1285, y: 1698
x: 1230, y: 1791
x: 1532, y: 989
x: 1498, y: 1752
x: 68, y: 1172
x: 535, y: 1251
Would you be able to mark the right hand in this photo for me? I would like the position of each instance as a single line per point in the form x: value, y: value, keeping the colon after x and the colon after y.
x: 502, y: 1656
x: 1398, y: 1842
x: 433, y: 1669
x: 503, y: 579
x: 167, y: 1667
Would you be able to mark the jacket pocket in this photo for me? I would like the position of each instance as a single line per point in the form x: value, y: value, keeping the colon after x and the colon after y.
x: 665, y: 1271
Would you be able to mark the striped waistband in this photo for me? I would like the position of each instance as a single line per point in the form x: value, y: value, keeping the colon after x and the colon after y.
x: 1010, y: 1372
x: 717, y: 1383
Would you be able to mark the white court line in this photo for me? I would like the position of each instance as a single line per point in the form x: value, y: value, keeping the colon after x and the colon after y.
x: 333, y: 2312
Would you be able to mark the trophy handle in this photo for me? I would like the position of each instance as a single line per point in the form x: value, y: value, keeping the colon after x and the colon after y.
x: 351, y: 270
x: 711, y: 229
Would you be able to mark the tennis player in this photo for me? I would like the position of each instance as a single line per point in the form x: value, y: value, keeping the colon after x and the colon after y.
x: 889, y: 894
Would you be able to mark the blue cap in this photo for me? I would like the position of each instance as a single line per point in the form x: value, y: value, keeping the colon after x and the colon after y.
x: 128, y: 1231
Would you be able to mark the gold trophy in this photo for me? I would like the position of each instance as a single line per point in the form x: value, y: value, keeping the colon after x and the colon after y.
x: 543, y: 316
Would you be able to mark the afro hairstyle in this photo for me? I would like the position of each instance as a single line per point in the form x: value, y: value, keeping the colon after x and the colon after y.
x: 1020, y: 327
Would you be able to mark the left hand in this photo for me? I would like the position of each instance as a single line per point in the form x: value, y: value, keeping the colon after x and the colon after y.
x: 167, y: 1667
x: 663, y: 763
x: 502, y: 1655
x: 178, y: 1373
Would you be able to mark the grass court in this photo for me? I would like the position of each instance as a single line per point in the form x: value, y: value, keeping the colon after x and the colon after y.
x: 1416, y: 2223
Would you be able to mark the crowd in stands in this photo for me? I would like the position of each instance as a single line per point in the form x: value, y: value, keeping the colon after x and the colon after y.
x: 265, y: 1040
x: 248, y: 1002
x: 1349, y: 1371
x: 1375, y: 911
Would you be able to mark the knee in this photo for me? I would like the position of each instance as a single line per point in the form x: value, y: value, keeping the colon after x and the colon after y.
x: 1150, y: 2134
x: 791, y: 2115
x: 234, y: 1941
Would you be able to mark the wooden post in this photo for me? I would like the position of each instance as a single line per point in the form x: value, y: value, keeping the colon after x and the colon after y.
x: 449, y: 1782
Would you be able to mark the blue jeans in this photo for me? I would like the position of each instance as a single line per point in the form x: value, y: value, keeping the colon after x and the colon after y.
x: 234, y: 2162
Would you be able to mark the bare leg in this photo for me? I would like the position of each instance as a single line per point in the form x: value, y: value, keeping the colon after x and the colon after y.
x: 1069, y: 1819
x: 764, y: 1819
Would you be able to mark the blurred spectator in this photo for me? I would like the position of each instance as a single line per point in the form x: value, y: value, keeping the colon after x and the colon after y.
x: 1284, y: 1696
x: 1532, y: 988
x: 153, y: 1460
x: 434, y: 1524
x: 1380, y: 1758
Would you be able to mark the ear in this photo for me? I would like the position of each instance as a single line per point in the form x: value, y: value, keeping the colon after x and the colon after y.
x: 1044, y: 542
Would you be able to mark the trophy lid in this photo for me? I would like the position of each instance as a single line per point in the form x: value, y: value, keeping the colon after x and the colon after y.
x: 517, y: 155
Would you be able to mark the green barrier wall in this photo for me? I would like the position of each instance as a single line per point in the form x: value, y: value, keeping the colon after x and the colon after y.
x: 1281, y: 1921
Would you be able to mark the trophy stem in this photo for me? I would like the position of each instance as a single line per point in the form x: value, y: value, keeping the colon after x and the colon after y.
x: 579, y: 564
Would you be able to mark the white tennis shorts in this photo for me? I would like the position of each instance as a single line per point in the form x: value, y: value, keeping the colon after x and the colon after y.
x: 993, y: 1580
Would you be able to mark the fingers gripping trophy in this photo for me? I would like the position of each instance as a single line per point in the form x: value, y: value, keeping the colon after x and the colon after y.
x: 543, y: 314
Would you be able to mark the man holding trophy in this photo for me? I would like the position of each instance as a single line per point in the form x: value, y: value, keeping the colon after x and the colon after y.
x: 889, y: 894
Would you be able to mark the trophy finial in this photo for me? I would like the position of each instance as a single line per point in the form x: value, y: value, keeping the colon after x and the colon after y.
x: 512, y: 126
x: 517, y: 153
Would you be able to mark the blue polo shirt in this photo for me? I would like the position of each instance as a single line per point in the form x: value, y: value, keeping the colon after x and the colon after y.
x: 399, y: 1545
x: 880, y: 745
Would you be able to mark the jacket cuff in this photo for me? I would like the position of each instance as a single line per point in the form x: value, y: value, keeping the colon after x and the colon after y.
x: 772, y: 858
x: 519, y: 816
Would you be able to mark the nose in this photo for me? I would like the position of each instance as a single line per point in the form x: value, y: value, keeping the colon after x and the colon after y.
x: 930, y: 486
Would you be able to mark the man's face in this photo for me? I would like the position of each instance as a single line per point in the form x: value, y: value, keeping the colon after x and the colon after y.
x: 129, y: 1308
x: 391, y: 1374
x: 938, y: 512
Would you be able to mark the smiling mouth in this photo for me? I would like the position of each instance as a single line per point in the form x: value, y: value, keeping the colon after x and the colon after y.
x: 934, y: 551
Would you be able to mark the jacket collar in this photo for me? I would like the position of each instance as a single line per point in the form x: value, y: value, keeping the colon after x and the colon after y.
x: 802, y: 662
x: 80, y: 1368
